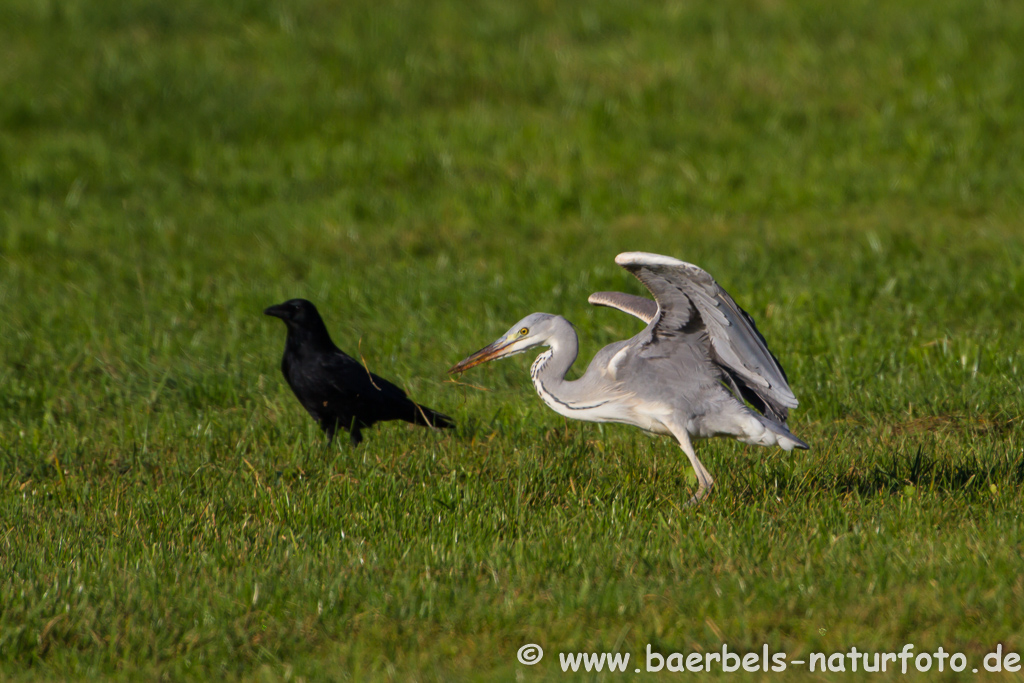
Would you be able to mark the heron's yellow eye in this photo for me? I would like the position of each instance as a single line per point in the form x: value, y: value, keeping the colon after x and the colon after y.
x: 523, y: 331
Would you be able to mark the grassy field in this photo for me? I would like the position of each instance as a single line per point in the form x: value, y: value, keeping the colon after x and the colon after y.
x: 428, y: 173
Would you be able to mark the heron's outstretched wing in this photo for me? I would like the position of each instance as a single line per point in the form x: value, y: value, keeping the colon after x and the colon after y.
x: 638, y: 306
x: 685, y: 295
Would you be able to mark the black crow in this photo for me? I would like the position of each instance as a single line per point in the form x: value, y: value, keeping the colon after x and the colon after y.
x: 336, y: 389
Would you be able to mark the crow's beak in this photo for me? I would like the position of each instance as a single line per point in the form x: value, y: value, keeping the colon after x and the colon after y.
x: 498, y: 349
x: 276, y: 311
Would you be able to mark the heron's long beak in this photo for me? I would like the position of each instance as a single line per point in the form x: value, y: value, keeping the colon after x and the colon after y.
x: 493, y: 351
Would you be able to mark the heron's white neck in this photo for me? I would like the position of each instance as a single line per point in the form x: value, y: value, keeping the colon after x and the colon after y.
x: 548, y: 373
x: 550, y: 367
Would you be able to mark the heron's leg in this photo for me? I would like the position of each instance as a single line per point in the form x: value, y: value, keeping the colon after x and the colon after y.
x: 704, y: 480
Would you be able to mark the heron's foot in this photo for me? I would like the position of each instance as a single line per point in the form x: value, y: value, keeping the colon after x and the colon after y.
x: 701, y: 494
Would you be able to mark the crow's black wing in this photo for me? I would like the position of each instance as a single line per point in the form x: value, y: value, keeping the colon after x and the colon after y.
x: 388, y: 402
x: 367, y: 396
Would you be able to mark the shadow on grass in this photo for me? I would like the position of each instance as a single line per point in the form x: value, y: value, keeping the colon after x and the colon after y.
x: 898, y: 473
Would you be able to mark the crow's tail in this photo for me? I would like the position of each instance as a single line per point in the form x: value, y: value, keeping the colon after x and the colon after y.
x: 431, y: 418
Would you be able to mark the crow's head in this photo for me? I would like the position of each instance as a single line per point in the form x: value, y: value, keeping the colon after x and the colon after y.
x: 300, y: 316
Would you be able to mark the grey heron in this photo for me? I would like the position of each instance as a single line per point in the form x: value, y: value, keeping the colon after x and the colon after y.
x: 693, y: 372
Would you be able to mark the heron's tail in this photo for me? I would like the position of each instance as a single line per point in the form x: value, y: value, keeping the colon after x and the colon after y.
x: 784, y: 438
x: 426, y: 417
x: 788, y: 442
x: 763, y: 431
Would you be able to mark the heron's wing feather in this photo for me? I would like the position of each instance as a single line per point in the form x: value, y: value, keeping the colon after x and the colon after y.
x: 638, y: 306
x: 682, y: 289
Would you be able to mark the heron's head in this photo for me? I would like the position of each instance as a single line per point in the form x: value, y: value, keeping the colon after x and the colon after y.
x: 535, y: 329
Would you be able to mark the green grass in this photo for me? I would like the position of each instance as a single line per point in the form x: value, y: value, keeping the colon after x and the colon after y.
x: 429, y: 173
